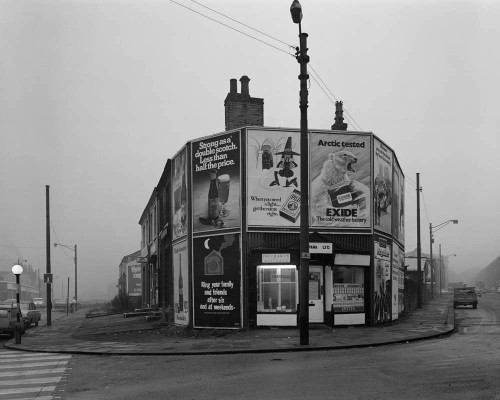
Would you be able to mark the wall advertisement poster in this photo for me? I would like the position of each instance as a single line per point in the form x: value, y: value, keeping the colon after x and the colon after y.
x: 382, y: 187
x: 398, y: 204
x: 273, y: 178
x: 217, y: 281
x: 179, y: 191
x: 181, y: 283
x: 134, y: 280
x: 216, y: 182
x: 340, y: 178
x: 383, y: 281
x: 348, y: 298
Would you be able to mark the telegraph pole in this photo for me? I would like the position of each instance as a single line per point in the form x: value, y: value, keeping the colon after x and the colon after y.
x: 419, y: 250
x: 48, y: 273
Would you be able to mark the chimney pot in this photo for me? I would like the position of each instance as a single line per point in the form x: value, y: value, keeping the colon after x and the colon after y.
x: 244, y: 85
x: 233, y: 86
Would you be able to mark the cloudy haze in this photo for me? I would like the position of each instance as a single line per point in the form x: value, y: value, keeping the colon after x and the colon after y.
x: 96, y: 95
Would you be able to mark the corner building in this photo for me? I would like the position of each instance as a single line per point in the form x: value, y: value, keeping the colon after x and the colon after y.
x: 235, y: 221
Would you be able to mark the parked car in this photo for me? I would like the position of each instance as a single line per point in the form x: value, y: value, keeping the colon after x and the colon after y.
x: 39, y: 302
x: 8, y: 319
x: 30, y: 314
x: 465, y: 296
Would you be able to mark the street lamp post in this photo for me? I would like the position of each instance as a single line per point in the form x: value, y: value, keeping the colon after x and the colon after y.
x: 303, y: 59
x: 431, y: 239
x: 72, y: 248
x: 17, y: 270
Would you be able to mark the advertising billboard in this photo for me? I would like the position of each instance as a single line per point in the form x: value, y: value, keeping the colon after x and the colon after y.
x: 180, y: 206
x: 217, y: 281
x: 382, y: 186
x: 216, y: 183
x: 340, y: 179
x: 180, y: 266
x: 134, y: 280
x: 273, y: 178
x: 383, y: 284
x: 398, y: 204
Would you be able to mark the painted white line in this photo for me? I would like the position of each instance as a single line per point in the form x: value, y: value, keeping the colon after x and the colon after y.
x: 29, y: 381
x: 10, y: 359
x: 33, y: 372
x: 37, y: 398
x: 32, y: 365
x: 33, y: 389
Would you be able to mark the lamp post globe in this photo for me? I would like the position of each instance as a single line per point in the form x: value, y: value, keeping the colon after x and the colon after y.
x: 17, y: 269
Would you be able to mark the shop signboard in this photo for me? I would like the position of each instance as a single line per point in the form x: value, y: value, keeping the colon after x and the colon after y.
x: 273, y: 178
x: 382, y: 187
x: 383, y: 284
x: 216, y: 182
x: 398, y: 204
x: 180, y: 266
x: 340, y: 179
x: 217, y: 281
x: 134, y: 280
x: 180, y: 206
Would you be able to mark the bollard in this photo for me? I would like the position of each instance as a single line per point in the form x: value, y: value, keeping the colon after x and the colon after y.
x: 17, y: 332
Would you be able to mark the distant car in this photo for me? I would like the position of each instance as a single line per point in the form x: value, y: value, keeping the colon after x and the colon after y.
x: 59, y: 304
x: 39, y: 302
x: 30, y: 314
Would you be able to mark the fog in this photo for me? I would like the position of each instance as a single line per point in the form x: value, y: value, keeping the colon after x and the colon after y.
x: 95, y: 96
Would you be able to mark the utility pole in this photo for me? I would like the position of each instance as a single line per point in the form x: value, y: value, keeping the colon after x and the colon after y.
x: 419, y: 250
x: 48, y: 273
x: 433, y: 274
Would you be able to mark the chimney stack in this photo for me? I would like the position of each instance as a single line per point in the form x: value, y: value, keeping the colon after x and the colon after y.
x: 241, y: 109
x: 339, y: 124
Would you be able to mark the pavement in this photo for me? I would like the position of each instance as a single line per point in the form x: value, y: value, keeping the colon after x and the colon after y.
x: 76, y: 334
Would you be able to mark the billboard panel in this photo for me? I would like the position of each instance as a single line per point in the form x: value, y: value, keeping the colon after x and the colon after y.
x: 398, y: 205
x: 273, y: 178
x: 179, y: 192
x: 134, y: 280
x: 340, y: 180
x: 216, y: 183
x: 382, y: 187
x: 181, y: 283
x: 383, y: 284
x: 217, y: 281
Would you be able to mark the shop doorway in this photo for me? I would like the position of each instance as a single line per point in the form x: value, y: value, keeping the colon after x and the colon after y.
x: 316, y: 294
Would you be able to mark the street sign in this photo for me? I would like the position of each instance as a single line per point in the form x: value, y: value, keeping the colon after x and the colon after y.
x: 141, y: 259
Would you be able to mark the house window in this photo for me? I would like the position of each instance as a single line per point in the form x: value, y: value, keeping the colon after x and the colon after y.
x: 277, y: 288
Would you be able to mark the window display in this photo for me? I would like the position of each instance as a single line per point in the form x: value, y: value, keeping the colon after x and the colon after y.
x: 277, y: 288
x: 348, y: 290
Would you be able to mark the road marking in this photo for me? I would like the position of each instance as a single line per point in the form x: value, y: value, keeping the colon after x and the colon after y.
x: 31, y: 376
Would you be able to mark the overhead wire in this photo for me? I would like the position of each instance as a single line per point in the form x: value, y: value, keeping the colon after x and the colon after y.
x: 348, y: 117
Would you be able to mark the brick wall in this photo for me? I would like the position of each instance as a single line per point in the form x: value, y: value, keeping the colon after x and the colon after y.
x: 241, y: 109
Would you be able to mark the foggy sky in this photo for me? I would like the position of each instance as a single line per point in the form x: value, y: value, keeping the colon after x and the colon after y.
x: 96, y: 95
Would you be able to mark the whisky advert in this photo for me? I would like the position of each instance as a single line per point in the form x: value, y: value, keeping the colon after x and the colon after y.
x: 181, y: 283
x: 340, y: 178
x: 216, y: 183
x: 273, y: 178
x: 217, y: 281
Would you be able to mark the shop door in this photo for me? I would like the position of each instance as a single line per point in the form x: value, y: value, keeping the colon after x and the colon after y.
x: 316, y: 304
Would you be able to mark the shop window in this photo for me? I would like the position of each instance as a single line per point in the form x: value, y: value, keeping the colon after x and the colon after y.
x: 277, y: 288
x: 348, y: 289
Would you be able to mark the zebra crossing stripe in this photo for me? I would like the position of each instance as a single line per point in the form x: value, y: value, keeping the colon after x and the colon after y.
x: 31, y: 381
x: 37, y: 389
x: 30, y: 365
x: 32, y: 372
